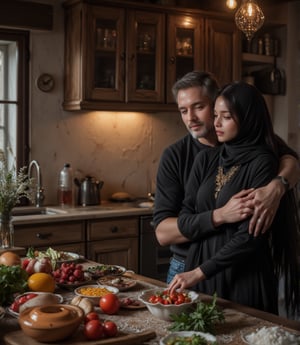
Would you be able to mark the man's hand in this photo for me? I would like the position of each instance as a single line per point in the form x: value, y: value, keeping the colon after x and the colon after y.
x: 265, y: 201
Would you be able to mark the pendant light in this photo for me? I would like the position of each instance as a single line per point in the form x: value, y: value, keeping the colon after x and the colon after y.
x: 231, y: 4
x: 249, y: 18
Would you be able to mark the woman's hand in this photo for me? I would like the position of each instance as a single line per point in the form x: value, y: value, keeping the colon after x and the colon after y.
x: 238, y: 208
x: 185, y: 280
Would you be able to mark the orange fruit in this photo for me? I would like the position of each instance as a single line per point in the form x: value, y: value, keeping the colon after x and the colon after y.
x: 41, y: 282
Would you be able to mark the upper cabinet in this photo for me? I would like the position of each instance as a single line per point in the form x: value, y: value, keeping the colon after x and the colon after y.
x: 223, y: 47
x: 185, y: 48
x: 128, y: 57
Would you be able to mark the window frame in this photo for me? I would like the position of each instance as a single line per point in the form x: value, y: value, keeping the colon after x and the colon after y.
x: 21, y: 37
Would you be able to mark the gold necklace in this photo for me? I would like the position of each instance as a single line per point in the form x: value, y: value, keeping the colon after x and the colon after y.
x: 222, y: 179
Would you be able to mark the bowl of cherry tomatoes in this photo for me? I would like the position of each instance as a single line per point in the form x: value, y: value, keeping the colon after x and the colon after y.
x: 163, y: 304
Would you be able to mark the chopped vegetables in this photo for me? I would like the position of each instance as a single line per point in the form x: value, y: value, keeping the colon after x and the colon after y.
x: 195, y: 339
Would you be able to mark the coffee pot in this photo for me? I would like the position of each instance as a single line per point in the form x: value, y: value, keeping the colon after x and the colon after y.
x: 89, y: 191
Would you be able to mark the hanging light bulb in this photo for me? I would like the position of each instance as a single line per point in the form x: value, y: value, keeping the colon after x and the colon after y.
x: 249, y: 18
x: 231, y: 4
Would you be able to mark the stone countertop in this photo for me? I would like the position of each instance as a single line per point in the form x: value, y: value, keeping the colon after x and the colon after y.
x: 59, y: 214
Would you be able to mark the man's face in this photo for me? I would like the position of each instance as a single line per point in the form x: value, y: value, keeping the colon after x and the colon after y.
x: 197, y: 113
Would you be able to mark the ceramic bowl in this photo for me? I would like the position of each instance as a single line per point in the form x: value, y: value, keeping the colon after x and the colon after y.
x: 51, y: 323
x: 162, y: 311
x: 211, y: 339
x: 97, y: 291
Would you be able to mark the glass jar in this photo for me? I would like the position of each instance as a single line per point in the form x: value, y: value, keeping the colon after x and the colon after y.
x: 6, y: 231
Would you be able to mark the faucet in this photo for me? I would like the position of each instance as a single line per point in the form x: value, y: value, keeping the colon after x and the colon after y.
x: 39, y: 196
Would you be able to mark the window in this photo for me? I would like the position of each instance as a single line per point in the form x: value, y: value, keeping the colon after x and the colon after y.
x: 14, y: 87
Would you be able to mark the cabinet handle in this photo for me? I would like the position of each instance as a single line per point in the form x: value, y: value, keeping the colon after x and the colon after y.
x: 123, y: 55
x: 114, y: 229
x: 44, y: 236
x: 172, y: 60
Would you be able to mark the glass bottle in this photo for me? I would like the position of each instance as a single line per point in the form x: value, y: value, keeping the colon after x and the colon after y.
x: 65, y: 186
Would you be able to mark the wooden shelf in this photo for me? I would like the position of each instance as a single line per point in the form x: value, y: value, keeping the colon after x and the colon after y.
x: 257, y: 58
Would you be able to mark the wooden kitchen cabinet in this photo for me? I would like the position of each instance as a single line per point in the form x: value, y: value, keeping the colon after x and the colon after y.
x: 113, y: 56
x: 223, y: 50
x: 114, y: 241
x: 122, y: 58
x: 185, y: 48
x: 68, y: 236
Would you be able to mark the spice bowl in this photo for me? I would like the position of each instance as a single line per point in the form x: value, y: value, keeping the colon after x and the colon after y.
x: 95, y: 292
x: 165, y: 311
x: 51, y: 323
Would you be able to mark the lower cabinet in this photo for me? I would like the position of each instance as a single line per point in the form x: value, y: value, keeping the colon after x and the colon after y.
x: 114, y: 241
x: 67, y: 236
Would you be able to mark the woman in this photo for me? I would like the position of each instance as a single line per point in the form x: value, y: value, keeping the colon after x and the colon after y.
x: 227, y: 260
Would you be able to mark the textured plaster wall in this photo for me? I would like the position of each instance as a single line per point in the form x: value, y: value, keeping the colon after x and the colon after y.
x: 122, y: 149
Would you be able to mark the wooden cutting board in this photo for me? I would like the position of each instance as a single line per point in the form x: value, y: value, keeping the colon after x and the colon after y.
x: 19, y: 337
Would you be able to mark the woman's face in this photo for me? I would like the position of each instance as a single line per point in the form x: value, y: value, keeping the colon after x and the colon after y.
x: 226, y: 126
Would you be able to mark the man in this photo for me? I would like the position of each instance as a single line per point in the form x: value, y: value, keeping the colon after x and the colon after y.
x: 195, y: 94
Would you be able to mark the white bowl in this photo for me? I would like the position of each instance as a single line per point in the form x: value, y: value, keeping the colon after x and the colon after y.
x: 162, y: 311
x: 184, y: 334
x: 96, y: 299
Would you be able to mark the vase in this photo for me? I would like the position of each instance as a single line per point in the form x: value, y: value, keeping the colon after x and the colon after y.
x: 6, y: 231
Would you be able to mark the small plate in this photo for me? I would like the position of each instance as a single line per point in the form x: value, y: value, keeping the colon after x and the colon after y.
x: 131, y: 303
x: 16, y: 314
x: 102, y: 270
x: 67, y: 257
x: 121, y: 283
x: 207, y: 336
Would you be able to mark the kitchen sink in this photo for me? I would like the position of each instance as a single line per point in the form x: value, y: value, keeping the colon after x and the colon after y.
x: 33, y: 211
x: 92, y: 208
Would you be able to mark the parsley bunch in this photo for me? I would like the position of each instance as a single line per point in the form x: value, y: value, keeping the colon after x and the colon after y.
x: 202, y: 319
x: 13, y: 279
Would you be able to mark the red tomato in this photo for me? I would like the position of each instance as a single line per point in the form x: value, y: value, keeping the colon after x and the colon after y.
x: 110, y: 329
x: 91, y: 316
x: 152, y: 299
x: 109, y: 303
x: 93, y: 330
x: 15, y: 306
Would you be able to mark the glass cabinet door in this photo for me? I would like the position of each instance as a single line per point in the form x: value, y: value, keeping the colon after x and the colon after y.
x: 145, y: 60
x: 105, y: 54
x: 185, y: 48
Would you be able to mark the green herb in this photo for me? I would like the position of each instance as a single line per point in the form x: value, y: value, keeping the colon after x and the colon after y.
x: 202, y: 319
x: 13, y: 279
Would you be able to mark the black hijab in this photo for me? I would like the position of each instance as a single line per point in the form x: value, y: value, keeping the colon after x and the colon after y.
x: 256, y: 135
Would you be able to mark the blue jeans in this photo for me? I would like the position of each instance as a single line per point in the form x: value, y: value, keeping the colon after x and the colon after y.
x: 176, y: 266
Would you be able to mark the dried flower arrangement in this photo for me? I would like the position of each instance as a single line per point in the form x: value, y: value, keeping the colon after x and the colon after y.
x: 13, y: 185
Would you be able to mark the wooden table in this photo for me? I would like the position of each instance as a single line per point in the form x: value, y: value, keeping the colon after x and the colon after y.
x: 238, y: 320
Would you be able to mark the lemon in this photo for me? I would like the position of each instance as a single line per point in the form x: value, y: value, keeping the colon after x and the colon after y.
x: 41, y: 282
